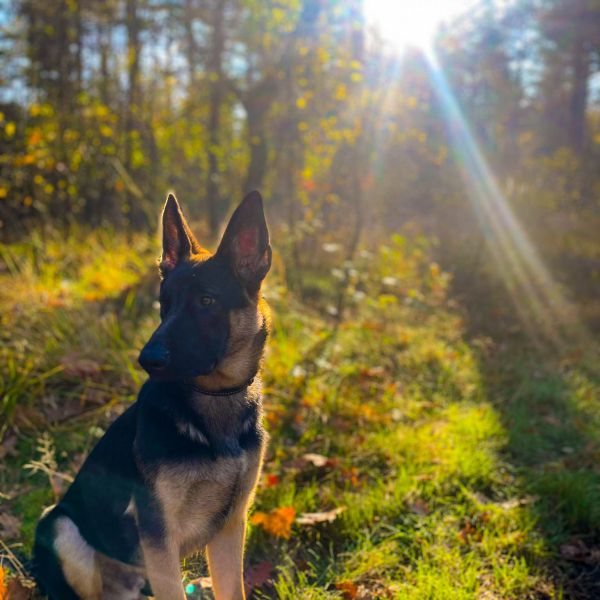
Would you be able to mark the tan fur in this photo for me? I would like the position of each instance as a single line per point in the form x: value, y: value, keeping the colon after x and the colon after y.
x: 78, y: 560
x: 225, y: 553
x: 243, y: 355
x: 91, y: 574
x: 193, y: 498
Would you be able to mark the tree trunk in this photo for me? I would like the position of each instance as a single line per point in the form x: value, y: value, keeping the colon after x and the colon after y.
x: 579, y: 95
x: 215, y: 69
x: 136, y: 214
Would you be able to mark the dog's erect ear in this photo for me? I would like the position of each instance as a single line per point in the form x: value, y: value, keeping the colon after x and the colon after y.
x: 179, y: 242
x: 245, y: 243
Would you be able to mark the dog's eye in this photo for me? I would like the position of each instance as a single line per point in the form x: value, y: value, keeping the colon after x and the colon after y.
x: 206, y: 300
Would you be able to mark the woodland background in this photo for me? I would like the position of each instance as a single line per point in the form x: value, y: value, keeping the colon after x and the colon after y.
x: 435, y: 216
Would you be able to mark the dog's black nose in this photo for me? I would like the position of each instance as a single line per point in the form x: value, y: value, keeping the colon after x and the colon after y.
x: 154, y: 358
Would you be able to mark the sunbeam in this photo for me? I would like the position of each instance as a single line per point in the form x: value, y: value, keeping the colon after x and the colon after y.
x: 535, y: 294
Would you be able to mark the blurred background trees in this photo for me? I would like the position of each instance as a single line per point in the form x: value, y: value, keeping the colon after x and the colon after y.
x: 106, y: 105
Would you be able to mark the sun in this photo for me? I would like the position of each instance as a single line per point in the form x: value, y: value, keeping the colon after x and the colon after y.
x: 411, y: 23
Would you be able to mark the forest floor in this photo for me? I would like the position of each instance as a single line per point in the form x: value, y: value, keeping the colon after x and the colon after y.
x: 410, y: 456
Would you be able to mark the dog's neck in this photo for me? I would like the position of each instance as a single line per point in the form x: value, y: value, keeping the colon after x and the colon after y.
x: 241, y: 363
x: 226, y: 416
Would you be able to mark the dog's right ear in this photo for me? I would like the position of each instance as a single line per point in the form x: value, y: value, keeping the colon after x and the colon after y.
x: 179, y: 242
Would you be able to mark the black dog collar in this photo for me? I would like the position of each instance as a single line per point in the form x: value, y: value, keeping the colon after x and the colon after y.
x: 223, y: 392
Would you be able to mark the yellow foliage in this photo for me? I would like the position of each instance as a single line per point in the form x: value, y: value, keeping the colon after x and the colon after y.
x: 341, y: 92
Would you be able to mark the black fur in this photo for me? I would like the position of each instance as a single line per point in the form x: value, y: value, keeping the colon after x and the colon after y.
x: 192, y: 339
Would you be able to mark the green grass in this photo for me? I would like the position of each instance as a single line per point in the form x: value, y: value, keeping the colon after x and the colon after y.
x: 462, y: 465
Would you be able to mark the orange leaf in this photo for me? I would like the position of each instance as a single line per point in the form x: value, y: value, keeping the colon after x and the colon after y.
x: 348, y: 589
x: 277, y: 522
x: 3, y: 594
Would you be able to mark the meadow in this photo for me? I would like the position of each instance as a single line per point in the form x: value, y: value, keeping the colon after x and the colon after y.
x: 431, y: 180
x: 411, y: 455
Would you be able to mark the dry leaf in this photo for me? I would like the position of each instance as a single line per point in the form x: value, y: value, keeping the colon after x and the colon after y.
x: 576, y: 551
x: 80, y: 367
x: 419, y: 507
x: 327, y: 516
x: 257, y: 575
x: 514, y: 502
x: 372, y: 372
x: 318, y: 460
x: 7, y: 447
x: 10, y: 526
x: 351, y: 475
x: 17, y: 590
x: 348, y: 589
x: 277, y: 522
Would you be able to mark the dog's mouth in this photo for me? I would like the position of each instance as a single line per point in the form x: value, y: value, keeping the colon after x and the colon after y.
x: 164, y: 373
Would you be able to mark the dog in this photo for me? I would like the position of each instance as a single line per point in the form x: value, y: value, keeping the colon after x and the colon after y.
x: 176, y: 472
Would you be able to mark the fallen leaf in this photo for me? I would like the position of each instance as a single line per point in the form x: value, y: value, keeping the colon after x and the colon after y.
x: 18, y: 590
x: 576, y: 551
x: 468, y: 532
x: 258, y: 575
x: 318, y: 460
x: 348, y: 589
x: 10, y: 526
x: 272, y: 480
x: 80, y: 367
x: 277, y: 522
x: 419, y: 507
x: 327, y: 516
x: 372, y: 372
x: 7, y: 447
x: 351, y: 475
x: 514, y: 502
x: 3, y: 592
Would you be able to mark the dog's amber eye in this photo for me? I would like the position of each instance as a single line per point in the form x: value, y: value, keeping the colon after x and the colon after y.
x: 207, y: 300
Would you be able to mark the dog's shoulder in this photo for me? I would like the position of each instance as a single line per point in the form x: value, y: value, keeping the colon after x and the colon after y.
x: 98, y: 500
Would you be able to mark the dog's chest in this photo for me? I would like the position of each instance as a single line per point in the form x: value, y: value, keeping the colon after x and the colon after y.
x: 196, y: 499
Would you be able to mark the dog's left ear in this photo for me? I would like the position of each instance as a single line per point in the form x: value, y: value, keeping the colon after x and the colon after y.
x: 245, y: 243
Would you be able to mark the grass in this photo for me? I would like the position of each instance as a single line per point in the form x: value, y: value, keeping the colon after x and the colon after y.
x: 465, y: 467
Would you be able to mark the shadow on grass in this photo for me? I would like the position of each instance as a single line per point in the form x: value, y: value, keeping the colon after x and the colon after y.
x: 548, y: 403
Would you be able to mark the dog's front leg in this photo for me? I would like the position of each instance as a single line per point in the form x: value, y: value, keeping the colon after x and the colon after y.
x: 225, y: 559
x: 163, y: 570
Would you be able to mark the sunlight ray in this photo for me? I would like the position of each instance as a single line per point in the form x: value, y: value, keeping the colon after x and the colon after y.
x: 535, y: 294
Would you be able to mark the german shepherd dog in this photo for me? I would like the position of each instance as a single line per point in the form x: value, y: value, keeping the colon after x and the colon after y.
x: 176, y: 472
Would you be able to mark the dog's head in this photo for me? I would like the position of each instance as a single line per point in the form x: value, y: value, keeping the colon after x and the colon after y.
x: 212, y: 325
